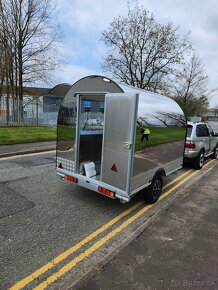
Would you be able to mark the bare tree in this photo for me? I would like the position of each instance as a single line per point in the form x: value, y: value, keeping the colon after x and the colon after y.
x: 190, y: 87
x: 169, y: 119
x: 143, y: 52
x: 5, y: 63
x: 30, y: 36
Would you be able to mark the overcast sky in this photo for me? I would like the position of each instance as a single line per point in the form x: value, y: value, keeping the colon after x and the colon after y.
x: 83, y: 21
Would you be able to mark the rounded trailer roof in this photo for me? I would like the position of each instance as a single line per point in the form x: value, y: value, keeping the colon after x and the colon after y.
x: 100, y: 84
x: 93, y: 83
x: 154, y: 102
x: 97, y: 83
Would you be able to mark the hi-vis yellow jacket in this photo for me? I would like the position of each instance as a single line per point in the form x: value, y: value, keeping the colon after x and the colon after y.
x: 147, y: 131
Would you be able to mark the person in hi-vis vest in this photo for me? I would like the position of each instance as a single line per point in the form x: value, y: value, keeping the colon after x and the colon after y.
x: 145, y: 133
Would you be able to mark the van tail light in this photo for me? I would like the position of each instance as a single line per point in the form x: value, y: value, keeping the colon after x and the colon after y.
x: 71, y: 178
x: 106, y: 192
x: 190, y: 145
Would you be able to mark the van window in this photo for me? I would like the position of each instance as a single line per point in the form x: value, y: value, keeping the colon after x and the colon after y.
x: 202, y: 130
x: 189, y: 130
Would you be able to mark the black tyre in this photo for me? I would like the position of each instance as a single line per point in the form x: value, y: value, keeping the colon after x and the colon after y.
x: 154, y: 190
x: 215, y: 153
x: 199, y: 161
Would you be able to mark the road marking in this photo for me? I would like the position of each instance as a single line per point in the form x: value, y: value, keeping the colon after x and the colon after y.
x: 177, y: 178
x: 22, y: 283
x: 183, y: 181
x: 90, y: 250
x: 54, y: 277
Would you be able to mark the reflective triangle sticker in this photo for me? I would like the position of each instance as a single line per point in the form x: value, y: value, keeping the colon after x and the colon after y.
x: 114, y: 168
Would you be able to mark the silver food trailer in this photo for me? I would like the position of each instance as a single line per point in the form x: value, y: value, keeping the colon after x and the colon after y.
x: 118, y: 140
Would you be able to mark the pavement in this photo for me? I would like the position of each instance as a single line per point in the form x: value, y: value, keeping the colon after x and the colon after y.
x: 27, y: 148
x: 178, y: 251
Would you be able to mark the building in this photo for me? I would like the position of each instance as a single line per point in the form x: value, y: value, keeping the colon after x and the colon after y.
x: 212, y: 115
x: 40, y: 106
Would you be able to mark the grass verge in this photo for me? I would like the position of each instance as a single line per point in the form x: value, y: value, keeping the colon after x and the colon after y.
x: 16, y: 135
x: 159, y: 136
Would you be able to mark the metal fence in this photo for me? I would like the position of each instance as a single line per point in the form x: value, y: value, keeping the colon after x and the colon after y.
x: 35, y: 113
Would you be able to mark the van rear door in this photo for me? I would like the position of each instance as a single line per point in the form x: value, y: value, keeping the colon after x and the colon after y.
x: 118, y: 140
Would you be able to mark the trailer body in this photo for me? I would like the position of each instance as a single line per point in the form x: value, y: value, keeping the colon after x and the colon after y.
x: 99, y: 142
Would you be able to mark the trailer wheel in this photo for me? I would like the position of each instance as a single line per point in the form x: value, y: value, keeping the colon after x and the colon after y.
x: 154, y: 190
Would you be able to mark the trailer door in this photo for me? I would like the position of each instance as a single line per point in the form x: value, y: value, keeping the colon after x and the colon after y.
x: 118, y: 140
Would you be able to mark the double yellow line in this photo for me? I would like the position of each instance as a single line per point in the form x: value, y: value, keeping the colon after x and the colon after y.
x: 54, y: 277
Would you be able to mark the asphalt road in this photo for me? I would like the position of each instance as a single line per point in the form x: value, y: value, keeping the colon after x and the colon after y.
x: 42, y: 216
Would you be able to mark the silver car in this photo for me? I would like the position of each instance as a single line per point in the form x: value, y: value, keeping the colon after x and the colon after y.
x: 201, y: 142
